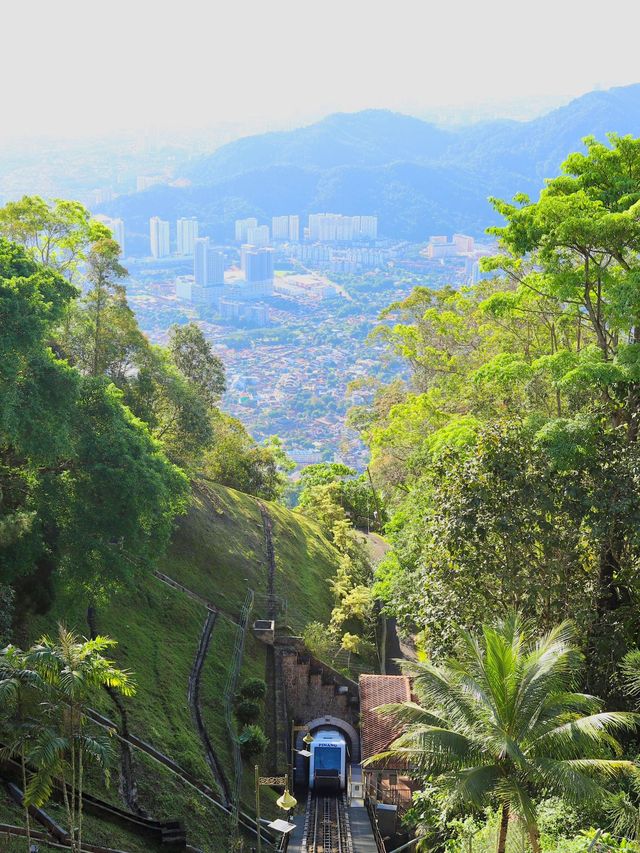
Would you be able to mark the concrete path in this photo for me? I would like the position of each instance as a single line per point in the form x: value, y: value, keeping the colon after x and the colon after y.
x: 295, y: 839
x: 361, y: 833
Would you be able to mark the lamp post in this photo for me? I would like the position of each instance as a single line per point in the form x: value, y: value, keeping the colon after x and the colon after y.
x: 286, y: 802
x: 308, y: 739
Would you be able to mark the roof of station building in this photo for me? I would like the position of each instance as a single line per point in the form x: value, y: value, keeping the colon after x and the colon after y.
x: 377, y: 732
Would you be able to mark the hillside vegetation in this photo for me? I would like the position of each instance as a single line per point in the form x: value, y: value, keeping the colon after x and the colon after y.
x: 217, y: 551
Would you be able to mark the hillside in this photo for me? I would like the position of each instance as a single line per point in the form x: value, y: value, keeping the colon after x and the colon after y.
x: 218, y: 553
x: 418, y: 178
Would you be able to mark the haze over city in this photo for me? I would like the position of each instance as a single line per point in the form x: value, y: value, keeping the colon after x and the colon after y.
x: 158, y: 67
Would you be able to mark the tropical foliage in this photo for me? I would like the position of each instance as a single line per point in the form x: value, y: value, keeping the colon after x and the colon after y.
x: 510, y: 462
x: 45, y: 698
x: 503, y: 722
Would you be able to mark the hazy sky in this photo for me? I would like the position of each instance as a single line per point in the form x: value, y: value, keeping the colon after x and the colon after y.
x: 81, y: 67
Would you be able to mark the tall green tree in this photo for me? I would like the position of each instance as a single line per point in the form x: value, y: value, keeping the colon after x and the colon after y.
x: 546, y: 355
x: 194, y: 357
x: 502, y: 723
x: 56, y: 234
x: 21, y: 693
x: 235, y: 459
x: 171, y: 405
x: 578, y: 249
x: 86, y: 491
x: 101, y: 335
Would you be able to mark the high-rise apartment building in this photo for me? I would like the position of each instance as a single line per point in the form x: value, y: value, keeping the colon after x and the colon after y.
x: 258, y: 235
x: 463, y: 243
x: 368, y: 227
x: 100, y: 196
x: 208, y: 264
x: 280, y: 228
x: 257, y: 266
x: 187, y: 232
x: 334, y: 227
x: 285, y: 228
x: 242, y: 225
x: 159, y: 237
x: 215, y: 268
x: 117, y: 229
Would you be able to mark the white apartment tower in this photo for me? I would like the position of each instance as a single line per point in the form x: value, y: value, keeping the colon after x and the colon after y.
x: 117, y: 229
x: 208, y: 264
x: 159, y: 237
x: 242, y: 226
x: 285, y: 228
x: 280, y: 228
x: 334, y: 227
x: 187, y: 232
x: 258, y: 235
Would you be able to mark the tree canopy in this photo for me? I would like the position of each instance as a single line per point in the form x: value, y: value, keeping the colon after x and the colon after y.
x: 509, y: 463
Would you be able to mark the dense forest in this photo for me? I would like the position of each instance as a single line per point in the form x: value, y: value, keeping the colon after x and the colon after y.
x: 510, y: 466
x: 99, y: 430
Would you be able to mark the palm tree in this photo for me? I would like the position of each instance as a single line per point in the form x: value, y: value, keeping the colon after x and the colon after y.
x: 74, y: 670
x: 624, y: 809
x: 502, y: 723
x: 21, y: 689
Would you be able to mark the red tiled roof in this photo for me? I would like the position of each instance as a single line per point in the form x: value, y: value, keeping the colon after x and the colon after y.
x: 376, y: 731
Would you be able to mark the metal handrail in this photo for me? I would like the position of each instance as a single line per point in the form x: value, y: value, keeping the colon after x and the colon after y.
x: 377, y: 835
x: 229, y: 694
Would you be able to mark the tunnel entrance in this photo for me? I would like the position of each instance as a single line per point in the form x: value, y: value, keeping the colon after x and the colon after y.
x: 328, y: 721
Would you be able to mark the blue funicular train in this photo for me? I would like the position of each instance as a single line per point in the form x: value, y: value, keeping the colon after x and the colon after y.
x: 328, y: 761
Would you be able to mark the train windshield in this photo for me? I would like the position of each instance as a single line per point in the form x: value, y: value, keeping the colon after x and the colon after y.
x: 327, y: 758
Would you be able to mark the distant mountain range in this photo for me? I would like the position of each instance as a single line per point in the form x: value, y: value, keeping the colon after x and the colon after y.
x: 418, y: 178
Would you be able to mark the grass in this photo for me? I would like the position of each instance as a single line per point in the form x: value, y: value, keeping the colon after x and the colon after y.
x: 217, y: 551
x: 95, y: 831
x: 304, y: 561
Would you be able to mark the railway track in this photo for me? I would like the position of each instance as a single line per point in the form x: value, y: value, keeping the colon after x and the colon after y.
x: 327, y: 825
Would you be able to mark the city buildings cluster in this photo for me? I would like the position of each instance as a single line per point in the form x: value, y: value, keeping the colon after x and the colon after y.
x: 336, y: 228
x: 322, y: 227
x: 442, y: 247
x: 460, y: 246
x: 336, y: 260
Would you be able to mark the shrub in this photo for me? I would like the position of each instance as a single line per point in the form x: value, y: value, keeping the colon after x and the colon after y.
x: 248, y: 711
x: 253, y: 741
x: 253, y: 688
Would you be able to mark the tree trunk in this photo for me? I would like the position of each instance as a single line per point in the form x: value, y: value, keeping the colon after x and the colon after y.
x: 80, y: 790
x: 608, y: 596
x: 24, y: 797
x: 67, y: 806
x: 534, y: 838
x: 504, y: 827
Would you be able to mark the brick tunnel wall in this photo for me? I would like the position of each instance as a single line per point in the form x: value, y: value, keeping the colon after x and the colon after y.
x: 311, y: 693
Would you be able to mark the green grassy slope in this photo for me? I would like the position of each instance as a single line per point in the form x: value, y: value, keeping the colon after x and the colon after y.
x: 217, y: 551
